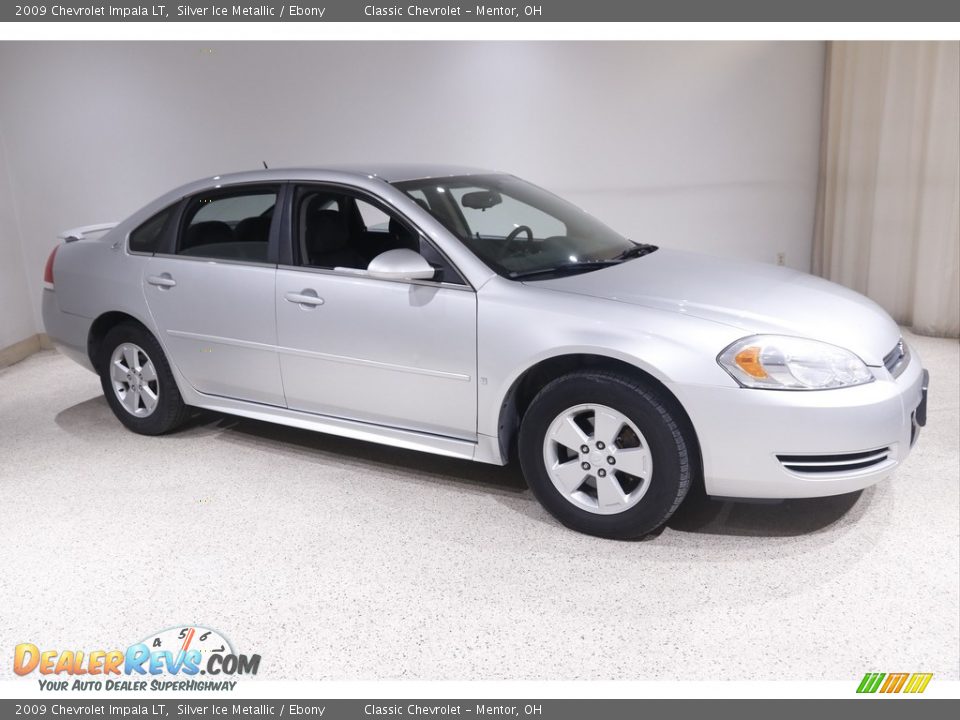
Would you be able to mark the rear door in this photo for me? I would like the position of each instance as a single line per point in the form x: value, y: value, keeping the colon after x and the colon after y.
x: 212, y: 293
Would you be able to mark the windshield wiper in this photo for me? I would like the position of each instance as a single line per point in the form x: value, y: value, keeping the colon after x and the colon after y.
x: 638, y: 250
x: 565, y: 268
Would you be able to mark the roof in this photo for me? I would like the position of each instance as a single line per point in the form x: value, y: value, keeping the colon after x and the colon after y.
x: 397, y: 172
x: 385, y: 171
x: 367, y: 175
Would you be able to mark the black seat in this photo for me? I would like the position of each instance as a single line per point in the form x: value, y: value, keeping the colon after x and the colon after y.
x: 328, y: 241
x: 210, y: 232
x: 253, y: 229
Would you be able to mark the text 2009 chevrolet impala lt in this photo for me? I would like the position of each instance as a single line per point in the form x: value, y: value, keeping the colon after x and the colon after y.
x: 472, y: 314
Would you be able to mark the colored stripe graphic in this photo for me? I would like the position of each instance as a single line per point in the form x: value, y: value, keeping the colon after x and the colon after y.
x: 894, y: 682
x: 918, y: 682
x: 913, y: 683
x: 870, y: 682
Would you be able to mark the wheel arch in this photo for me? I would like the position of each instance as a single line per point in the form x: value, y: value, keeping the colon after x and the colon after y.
x: 529, y: 382
x: 104, y: 324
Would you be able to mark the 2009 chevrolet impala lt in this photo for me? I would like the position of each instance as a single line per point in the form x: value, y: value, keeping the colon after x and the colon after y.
x: 471, y: 314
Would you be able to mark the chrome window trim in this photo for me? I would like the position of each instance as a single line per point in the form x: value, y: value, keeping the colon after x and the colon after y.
x: 217, y: 261
x: 358, y: 276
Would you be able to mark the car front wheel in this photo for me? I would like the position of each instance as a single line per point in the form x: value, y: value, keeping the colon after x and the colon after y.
x: 605, y: 454
x: 137, y: 381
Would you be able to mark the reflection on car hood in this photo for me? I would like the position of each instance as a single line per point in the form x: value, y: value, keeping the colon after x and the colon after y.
x: 755, y: 297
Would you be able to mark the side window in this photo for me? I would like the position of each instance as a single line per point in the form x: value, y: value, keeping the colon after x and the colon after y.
x: 339, y: 230
x: 500, y: 219
x: 374, y: 219
x: 146, y: 238
x: 327, y: 230
x: 234, y: 226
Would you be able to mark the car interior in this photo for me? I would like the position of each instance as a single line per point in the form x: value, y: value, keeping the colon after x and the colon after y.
x: 225, y: 237
x: 332, y: 230
x: 337, y: 230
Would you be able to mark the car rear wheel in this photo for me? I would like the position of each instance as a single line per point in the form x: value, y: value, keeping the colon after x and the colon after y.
x: 605, y: 454
x: 138, y: 383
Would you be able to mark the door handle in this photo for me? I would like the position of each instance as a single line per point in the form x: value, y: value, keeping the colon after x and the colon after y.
x: 162, y: 281
x: 307, y: 299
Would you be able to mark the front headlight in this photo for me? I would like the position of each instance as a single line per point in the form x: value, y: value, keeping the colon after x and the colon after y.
x: 779, y: 362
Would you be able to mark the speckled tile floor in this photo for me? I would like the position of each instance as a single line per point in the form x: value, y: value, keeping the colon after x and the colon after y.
x: 337, y: 559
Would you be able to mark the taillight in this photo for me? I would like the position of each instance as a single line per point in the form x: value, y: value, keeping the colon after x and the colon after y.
x: 48, y: 269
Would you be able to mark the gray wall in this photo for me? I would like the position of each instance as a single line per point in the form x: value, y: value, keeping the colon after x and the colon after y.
x: 709, y: 146
x: 16, y: 317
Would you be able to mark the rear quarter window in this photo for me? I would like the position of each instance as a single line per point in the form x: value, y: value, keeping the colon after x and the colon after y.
x: 146, y: 238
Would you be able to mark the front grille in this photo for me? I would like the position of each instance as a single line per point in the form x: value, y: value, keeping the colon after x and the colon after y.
x: 842, y: 462
x: 896, y: 360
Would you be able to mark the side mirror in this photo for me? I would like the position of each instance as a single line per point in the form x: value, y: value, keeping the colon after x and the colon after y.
x: 400, y: 264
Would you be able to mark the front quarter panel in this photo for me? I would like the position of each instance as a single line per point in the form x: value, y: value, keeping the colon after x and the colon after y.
x: 520, y: 325
x: 741, y: 431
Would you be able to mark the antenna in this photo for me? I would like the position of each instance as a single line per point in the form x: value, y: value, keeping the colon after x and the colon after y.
x: 265, y: 165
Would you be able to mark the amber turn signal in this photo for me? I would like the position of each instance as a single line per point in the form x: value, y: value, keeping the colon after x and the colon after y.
x: 748, y: 360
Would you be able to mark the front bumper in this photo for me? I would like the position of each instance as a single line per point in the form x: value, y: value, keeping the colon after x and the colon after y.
x: 789, y: 444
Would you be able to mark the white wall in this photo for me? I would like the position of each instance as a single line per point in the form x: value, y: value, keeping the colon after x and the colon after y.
x: 16, y: 318
x: 711, y: 146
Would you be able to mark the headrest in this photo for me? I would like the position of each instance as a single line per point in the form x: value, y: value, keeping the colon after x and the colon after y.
x: 207, y: 233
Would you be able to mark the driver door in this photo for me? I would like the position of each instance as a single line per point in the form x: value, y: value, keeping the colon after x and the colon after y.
x: 395, y: 353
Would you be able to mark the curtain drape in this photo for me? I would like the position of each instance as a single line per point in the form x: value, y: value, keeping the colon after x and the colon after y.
x: 888, y: 209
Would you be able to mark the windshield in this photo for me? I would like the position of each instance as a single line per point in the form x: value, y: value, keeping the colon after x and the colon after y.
x: 518, y: 229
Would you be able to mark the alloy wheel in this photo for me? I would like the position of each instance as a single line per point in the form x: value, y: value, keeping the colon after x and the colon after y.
x: 134, y: 380
x: 597, y: 459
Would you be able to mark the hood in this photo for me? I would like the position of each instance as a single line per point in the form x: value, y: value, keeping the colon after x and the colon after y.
x: 754, y: 297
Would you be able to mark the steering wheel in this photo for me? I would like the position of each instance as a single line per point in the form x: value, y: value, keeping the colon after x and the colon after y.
x: 511, y: 238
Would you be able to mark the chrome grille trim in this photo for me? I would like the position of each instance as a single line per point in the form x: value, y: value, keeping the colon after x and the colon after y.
x: 896, y: 360
x: 838, y: 462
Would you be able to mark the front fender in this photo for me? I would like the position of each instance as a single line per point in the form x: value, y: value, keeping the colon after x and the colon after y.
x: 519, y: 327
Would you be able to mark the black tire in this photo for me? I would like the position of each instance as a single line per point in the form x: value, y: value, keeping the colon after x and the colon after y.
x: 170, y: 410
x: 667, y: 440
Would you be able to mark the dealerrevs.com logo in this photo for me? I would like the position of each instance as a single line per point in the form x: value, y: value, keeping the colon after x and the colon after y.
x: 178, y: 658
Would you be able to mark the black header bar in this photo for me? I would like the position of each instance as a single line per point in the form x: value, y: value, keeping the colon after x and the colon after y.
x: 897, y: 11
x: 227, y: 708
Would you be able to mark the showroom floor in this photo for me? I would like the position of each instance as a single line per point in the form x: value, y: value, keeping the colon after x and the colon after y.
x: 335, y: 559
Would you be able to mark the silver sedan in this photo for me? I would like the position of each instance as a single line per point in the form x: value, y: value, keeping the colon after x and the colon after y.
x: 472, y: 314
